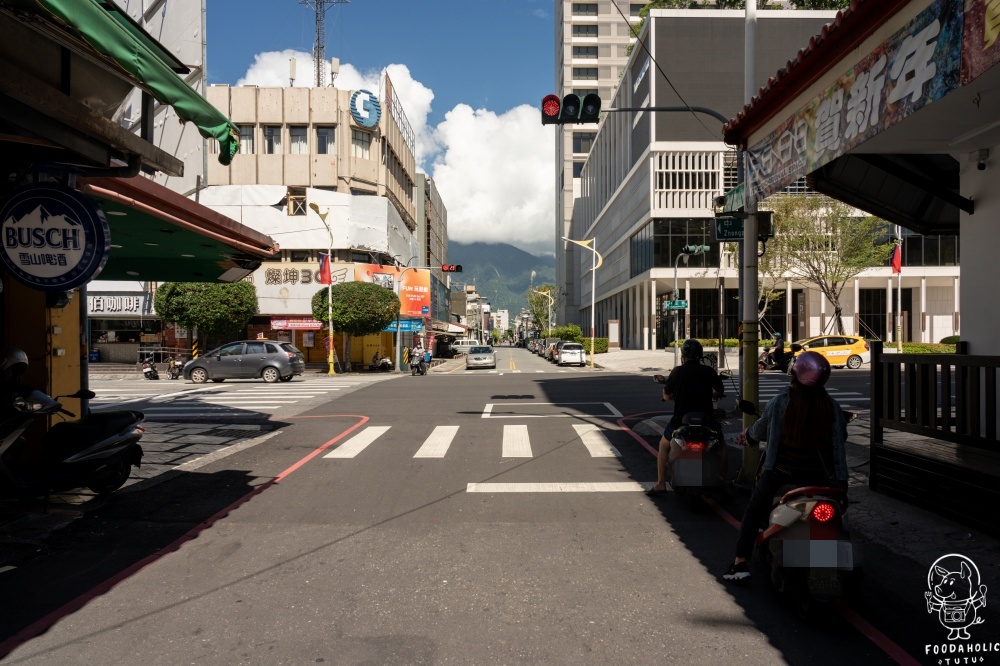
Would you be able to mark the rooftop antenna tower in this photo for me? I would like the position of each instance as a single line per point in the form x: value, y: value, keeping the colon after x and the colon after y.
x: 319, y: 49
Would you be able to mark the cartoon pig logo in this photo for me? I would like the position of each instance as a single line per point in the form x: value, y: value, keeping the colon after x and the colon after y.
x: 955, y: 594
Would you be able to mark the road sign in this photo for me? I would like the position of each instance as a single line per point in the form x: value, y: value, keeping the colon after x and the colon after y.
x: 735, y: 200
x: 677, y: 305
x: 728, y: 229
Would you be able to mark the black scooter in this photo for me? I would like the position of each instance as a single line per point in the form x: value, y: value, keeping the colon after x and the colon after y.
x: 175, y: 367
x: 149, y: 370
x: 95, y: 452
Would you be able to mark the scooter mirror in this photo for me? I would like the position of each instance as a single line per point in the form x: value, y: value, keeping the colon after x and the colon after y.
x: 726, y: 374
x: 851, y: 416
x: 747, y: 407
x: 659, y: 379
x: 82, y: 394
x: 797, y: 348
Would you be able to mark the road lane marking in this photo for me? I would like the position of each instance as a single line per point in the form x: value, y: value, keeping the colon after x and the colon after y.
x: 358, y: 443
x: 595, y: 441
x: 564, y: 487
x: 488, y: 410
x: 515, y: 442
x: 436, y: 446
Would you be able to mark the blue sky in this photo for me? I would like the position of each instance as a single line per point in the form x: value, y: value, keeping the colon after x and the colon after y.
x: 470, y: 75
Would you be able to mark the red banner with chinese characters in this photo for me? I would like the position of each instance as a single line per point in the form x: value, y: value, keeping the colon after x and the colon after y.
x: 295, y: 324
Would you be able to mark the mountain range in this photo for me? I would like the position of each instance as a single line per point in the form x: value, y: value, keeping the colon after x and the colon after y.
x: 500, y: 272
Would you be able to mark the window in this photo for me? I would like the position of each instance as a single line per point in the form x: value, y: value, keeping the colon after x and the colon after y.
x: 300, y: 255
x: 583, y: 141
x: 583, y: 92
x: 232, y: 350
x: 361, y: 144
x: 584, y: 9
x: 577, y: 169
x: 272, y: 139
x: 255, y: 347
x: 585, y: 31
x: 296, y: 201
x: 585, y: 52
x: 299, y: 140
x: 585, y: 73
x: 246, y: 139
x: 324, y: 140
x: 634, y: 9
x: 271, y: 349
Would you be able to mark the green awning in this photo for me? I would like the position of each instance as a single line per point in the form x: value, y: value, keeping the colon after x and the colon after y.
x: 142, y: 57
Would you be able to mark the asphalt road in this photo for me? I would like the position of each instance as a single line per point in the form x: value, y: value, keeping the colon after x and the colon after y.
x: 469, y: 517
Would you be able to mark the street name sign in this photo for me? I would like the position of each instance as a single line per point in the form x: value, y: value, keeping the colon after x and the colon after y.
x: 677, y: 305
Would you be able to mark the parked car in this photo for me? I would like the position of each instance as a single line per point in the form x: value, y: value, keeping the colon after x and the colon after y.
x: 843, y: 350
x: 481, y: 357
x: 463, y: 345
x: 555, y: 351
x: 572, y: 352
x: 247, y: 359
x: 550, y: 350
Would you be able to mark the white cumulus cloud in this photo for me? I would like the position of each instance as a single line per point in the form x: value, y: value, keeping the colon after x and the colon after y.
x: 495, y: 171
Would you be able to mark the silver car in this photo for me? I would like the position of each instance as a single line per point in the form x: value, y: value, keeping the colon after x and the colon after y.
x: 248, y: 359
x: 572, y: 352
x: 480, y: 357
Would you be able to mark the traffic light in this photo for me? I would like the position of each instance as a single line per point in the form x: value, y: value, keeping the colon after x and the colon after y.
x: 550, y: 110
x: 451, y: 268
x: 695, y: 249
x: 571, y: 109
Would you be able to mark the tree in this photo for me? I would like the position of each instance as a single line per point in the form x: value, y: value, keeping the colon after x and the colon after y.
x: 219, y: 310
x: 359, y: 308
x: 821, y: 241
x: 538, y: 303
x: 821, y: 4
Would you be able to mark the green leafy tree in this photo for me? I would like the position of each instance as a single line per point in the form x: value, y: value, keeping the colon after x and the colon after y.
x: 220, y: 311
x: 495, y: 336
x: 538, y: 303
x: 821, y: 4
x: 821, y: 241
x: 359, y: 308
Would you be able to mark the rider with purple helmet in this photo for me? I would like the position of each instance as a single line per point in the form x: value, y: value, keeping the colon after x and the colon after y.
x: 805, y: 432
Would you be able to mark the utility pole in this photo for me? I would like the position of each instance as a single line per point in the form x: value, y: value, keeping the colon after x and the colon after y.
x: 319, y: 48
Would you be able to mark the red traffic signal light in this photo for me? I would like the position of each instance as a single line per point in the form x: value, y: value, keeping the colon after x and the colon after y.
x: 571, y: 109
x: 551, y: 107
x: 451, y: 268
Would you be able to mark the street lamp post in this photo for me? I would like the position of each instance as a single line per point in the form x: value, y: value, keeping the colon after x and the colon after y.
x: 591, y: 244
x: 329, y: 290
x: 686, y: 251
x: 399, y: 333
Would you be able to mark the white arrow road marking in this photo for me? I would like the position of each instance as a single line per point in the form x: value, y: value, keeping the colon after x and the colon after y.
x: 515, y: 442
x: 595, y: 441
x: 436, y: 446
x: 582, y: 487
x: 358, y: 443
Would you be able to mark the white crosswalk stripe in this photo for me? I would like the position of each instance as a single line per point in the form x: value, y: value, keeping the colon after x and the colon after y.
x: 358, y: 443
x: 515, y: 442
x: 595, y: 441
x: 436, y: 446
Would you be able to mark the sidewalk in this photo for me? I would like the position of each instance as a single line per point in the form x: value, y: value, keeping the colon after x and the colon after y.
x: 903, y: 529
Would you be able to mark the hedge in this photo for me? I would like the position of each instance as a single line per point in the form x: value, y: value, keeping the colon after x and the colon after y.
x: 600, y: 345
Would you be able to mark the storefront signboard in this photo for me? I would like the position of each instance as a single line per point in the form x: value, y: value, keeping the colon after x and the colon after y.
x: 54, y: 237
x: 981, y: 38
x: 413, y: 288
x: 287, y: 288
x: 108, y: 305
x: 295, y: 324
x: 917, y: 65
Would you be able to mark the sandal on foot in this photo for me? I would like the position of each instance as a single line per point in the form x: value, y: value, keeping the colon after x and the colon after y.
x: 653, y: 492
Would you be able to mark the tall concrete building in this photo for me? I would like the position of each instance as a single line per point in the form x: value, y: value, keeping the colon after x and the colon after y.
x: 591, y: 43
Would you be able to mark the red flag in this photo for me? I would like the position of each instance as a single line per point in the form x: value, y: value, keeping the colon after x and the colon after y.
x: 897, y: 260
x: 324, y: 269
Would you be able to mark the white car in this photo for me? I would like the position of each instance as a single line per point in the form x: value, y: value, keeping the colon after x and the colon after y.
x: 572, y: 352
x: 481, y: 357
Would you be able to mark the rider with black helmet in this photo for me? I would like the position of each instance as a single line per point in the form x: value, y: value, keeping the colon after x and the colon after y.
x: 691, y: 386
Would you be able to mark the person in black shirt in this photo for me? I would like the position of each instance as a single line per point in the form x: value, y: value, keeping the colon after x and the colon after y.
x: 691, y: 386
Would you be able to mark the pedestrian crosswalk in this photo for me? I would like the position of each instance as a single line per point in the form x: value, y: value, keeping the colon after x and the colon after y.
x: 515, y: 441
x: 771, y: 385
x: 216, y: 401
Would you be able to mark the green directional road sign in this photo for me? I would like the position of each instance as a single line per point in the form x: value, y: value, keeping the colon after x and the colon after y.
x: 677, y: 305
x: 728, y: 228
x: 735, y: 200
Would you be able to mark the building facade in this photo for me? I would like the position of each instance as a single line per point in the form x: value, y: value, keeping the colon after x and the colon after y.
x: 591, y: 40
x: 648, y: 189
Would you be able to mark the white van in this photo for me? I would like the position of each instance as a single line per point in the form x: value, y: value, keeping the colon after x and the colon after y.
x: 463, y: 345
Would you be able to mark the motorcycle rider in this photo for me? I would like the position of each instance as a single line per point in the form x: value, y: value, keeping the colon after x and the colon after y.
x: 778, y: 354
x: 417, y: 361
x: 691, y: 386
x: 805, y: 431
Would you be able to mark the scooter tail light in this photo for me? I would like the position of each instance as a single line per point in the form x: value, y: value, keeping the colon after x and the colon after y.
x: 823, y: 512
x: 694, y: 446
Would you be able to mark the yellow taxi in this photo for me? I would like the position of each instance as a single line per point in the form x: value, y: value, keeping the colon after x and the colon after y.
x: 840, y: 350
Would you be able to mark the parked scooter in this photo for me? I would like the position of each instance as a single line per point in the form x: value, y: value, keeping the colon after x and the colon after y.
x: 807, y: 547
x: 383, y: 363
x: 149, y: 370
x: 175, y: 366
x: 95, y: 452
x: 699, y: 468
